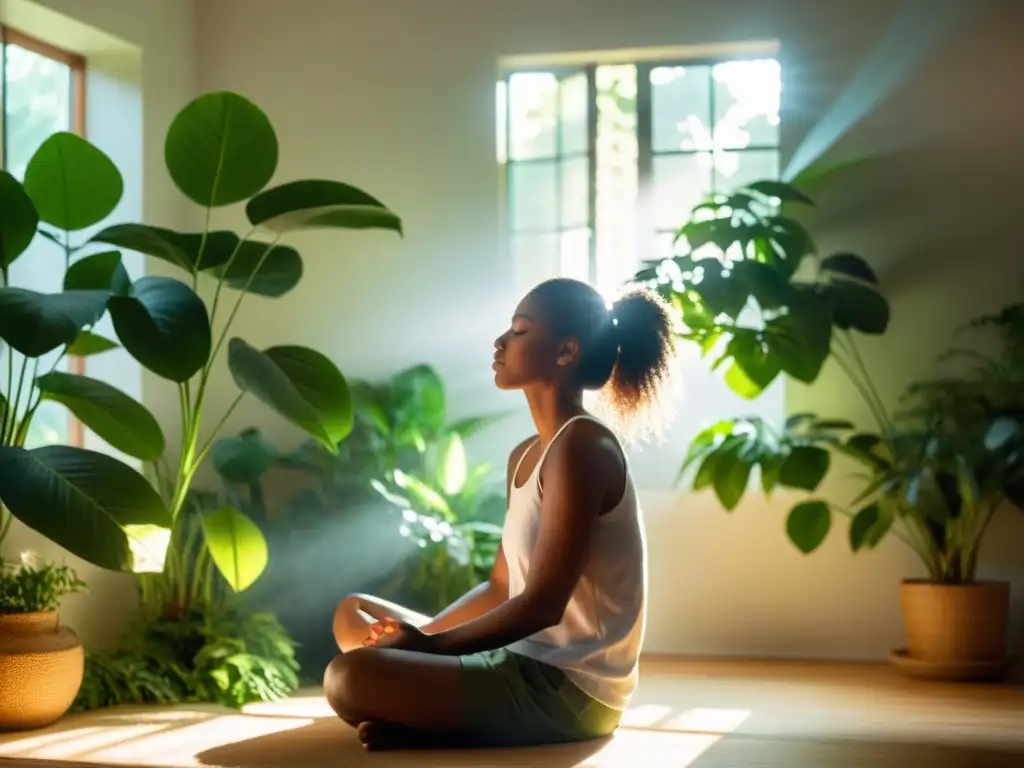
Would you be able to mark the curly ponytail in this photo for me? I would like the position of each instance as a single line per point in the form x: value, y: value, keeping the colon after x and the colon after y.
x: 628, y: 351
x: 636, y: 390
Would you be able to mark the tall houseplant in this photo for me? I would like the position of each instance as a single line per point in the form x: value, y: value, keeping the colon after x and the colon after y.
x: 929, y: 479
x: 220, y: 150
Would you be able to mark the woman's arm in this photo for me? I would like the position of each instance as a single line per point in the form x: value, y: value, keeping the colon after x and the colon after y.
x: 478, y: 601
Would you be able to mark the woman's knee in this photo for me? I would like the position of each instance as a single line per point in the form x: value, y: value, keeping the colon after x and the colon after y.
x: 346, y: 684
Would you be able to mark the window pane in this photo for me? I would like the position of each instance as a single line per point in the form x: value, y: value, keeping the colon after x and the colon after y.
x: 536, y: 258
x: 576, y: 254
x: 680, y: 182
x: 38, y: 104
x: 534, y: 195
x: 681, y: 108
x: 533, y: 101
x: 737, y: 169
x: 574, y: 114
x: 575, y: 192
x: 747, y: 95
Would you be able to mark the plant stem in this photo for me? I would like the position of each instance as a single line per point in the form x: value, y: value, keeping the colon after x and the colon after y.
x: 16, y: 405
x: 852, y: 376
x: 213, y: 435
x: 202, y: 247
x: 238, y: 303
x: 867, y: 378
x: 220, y: 283
x: 9, y: 414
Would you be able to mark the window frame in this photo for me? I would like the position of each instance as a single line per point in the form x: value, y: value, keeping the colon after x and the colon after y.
x: 646, y: 236
x: 76, y: 63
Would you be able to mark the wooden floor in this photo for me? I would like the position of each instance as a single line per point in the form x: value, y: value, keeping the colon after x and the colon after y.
x: 687, y: 714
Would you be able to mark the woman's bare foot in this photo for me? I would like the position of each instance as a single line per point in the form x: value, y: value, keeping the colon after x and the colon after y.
x: 378, y: 737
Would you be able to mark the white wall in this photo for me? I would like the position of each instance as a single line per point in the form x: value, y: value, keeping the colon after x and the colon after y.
x: 141, y: 69
x: 398, y: 96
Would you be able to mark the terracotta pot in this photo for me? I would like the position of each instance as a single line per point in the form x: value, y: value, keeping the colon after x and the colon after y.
x: 41, y: 669
x: 956, y: 623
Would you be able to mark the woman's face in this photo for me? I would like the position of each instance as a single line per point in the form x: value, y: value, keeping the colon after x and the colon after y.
x: 527, y: 353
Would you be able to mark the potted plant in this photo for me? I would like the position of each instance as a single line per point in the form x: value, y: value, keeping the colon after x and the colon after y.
x: 41, y: 660
x: 220, y: 150
x: 930, y: 480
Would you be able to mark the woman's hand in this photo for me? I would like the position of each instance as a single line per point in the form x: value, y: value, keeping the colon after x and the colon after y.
x: 398, y: 635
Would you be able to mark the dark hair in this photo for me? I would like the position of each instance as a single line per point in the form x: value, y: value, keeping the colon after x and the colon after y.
x: 627, y: 350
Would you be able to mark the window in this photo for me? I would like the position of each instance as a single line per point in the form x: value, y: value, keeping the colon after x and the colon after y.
x: 604, y: 162
x: 43, y: 92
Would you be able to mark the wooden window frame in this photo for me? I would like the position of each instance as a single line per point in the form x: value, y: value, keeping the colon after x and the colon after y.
x: 77, y: 64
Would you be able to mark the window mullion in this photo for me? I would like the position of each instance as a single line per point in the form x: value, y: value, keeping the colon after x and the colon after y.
x: 592, y: 168
x: 646, y: 241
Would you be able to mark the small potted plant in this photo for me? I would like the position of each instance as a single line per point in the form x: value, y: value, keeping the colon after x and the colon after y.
x: 41, y: 661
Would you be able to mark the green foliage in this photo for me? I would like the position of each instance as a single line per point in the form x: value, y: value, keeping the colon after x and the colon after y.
x: 30, y: 586
x: 220, y: 149
x: 934, y: 473
x: 226, y: 656
x: 735, y: 283
x: 401, y: 458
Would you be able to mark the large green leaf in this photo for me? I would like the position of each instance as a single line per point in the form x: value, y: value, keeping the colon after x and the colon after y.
x: 99, y: 272
x: 236, y: 545
x: 318, y: 204
x: 152, y: 241
x: 87, y: 344
x: 72, y: 183
x: 858, y: 306
x: 808, y: 525
x: 107, y: 411
x: 165, y: 326
x: 243, y: 459
x: 731, y: 476
x: 280, y: 269
x: 18, y: 221
x: 81, y: 500
x: 37, y: 323
x: 754, y: 366
x: 301, y: 384
x: 805, y: 467
x: 849, y: 265
x: 221, y: 149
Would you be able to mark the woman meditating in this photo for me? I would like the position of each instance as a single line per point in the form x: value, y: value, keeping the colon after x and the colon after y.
x: 546, y: 649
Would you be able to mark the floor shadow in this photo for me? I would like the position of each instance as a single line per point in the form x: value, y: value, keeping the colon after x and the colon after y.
x: 332, y: 744
x: 754, y: 752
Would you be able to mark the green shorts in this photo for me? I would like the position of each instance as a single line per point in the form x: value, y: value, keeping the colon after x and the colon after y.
x: 512, y: 700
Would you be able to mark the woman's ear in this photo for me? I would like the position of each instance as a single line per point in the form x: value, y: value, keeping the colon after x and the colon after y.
x: 569, y: 352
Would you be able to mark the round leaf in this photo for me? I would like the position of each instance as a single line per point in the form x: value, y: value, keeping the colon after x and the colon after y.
x: 19, y: 220
x: 732, y: 473
x: 110, y: 413
x: 243, y: 459
x: 221, y: 149
x: 98, y: 272
x: 81, y: 500
x: 319, y: 204
x: 849, y: 265
x: 164, y: 325
x: 87, y: 344
x: 37, y: 323
x: 237, y: 546
x: 859, y: 306
x: 808, y: 525
x: 805, y: 467
x: 280, y: 269
x: 72, y: 183
x: 300, y: 384
x: 868, y: 528
x: 420, y: 398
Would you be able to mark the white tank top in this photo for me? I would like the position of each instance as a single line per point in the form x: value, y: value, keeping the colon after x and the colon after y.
x: 597, y: 642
